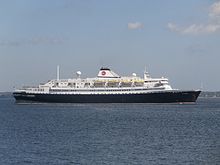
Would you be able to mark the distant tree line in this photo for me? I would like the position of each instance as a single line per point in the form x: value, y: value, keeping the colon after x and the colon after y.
x: 210, y: 94
x: 5, y: 94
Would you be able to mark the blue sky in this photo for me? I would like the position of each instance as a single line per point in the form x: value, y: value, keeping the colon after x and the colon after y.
x: 176, y: 39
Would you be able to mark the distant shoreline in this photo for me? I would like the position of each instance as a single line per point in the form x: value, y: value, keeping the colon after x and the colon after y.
x: 5, y: 94
x: 208, y: 94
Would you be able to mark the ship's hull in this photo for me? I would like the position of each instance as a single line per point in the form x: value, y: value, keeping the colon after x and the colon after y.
x: 151, y: 97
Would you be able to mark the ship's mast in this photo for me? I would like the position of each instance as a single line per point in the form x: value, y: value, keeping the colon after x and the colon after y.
x: 146, y: 74
x: 58, y: 72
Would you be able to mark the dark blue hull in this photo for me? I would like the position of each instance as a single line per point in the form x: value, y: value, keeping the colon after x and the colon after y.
x: 156, y: 97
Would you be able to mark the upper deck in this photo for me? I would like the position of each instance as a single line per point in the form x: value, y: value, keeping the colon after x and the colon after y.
x: 106, y: 80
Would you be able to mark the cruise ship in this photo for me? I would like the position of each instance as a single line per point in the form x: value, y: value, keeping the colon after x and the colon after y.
x: 106, y: 87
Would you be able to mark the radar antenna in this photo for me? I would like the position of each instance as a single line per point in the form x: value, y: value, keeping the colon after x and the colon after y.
x: 78, y: 74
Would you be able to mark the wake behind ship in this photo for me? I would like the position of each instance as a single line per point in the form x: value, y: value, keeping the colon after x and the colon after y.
x: 107, y: 87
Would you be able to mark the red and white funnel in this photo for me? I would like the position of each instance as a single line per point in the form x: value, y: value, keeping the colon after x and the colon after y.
x: 107, y: 73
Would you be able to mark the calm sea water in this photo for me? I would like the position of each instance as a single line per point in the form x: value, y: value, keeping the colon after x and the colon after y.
x: 109, y: 134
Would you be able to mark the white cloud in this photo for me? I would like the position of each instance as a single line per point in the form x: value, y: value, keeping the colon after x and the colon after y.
x: 195, y: 28
x: 135, y: 25
x: 203, y: 28
x: 215, y: 9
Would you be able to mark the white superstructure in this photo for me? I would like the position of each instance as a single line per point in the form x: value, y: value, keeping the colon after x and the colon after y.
x: 106, y: 82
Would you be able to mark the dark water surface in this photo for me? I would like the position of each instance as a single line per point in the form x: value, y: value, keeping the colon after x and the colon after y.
x: 110, y: 133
